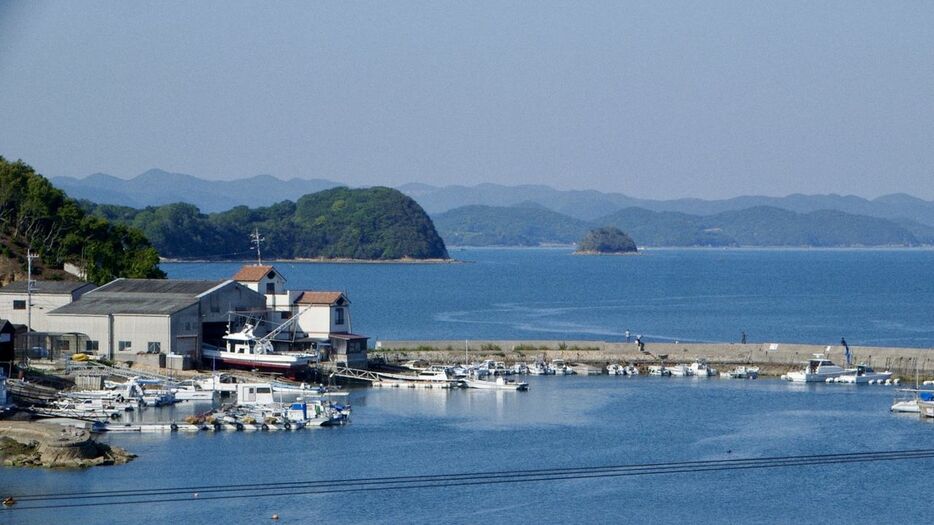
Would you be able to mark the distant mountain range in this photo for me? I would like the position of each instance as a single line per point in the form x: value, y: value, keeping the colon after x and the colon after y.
x: 156, y: 187
x: 756, y: 226
x: 494, y: 214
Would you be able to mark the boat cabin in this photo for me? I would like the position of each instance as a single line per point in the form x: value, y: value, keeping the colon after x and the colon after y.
x: 254, y: 394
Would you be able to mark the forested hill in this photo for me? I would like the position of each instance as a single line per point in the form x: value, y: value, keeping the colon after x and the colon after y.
x: 34, y: 214
x: 373, y: 224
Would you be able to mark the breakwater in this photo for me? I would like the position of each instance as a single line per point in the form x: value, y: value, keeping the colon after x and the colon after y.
x: 774, y: 358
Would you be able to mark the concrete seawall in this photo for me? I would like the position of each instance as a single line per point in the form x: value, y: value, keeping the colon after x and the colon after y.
x: 776, y: 358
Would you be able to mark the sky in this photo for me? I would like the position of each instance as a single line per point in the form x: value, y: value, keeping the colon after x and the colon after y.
x: 653, y: 99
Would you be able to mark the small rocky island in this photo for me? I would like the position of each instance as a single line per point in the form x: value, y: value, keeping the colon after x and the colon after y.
x: 606, y: 241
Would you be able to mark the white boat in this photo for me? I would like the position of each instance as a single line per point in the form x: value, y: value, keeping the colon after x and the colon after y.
x: 863, y: 374
x: 541, y: 368
x: 434, y: 373
x: 561, y: 368
x: 680, y: 371
x: 500, y: 383
x: 926, y: 403
x: 615, y: 369
x: 632, y: 370
x: 244, y: 349
x: 191, y: 390
x: 909, y: 403
x: 744, y: 372
x: 659, y: 370
x: 520, y: 368
x: 222, y: 383
x: 818, y: 370
x: 702, y: 369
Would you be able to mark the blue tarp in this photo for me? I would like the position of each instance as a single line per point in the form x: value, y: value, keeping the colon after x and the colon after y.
x: 926, y: 396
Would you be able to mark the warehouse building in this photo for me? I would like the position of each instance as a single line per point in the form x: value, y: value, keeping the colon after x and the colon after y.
x: 127, y: 317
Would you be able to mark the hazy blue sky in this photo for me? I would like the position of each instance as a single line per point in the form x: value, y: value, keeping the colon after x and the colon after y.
x: 653, y: 99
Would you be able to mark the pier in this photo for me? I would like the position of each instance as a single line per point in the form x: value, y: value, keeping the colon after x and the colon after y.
x: 773, y: 358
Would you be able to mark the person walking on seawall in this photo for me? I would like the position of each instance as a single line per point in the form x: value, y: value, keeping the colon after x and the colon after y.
x: 640, y: 343
x: 744, y: 337
x: 846, y: 351
x: 626, y: 333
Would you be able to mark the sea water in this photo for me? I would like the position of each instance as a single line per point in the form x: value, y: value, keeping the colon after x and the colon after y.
x: 878, y: 297
x: 871, y: 297
x: 560, y: 422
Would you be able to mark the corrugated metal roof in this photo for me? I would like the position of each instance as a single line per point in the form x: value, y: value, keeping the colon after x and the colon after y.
x: 163, y: 286
x: 46, y: 287
x: 103, y: 304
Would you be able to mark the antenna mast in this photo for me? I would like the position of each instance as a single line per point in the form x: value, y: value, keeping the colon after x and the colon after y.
x: 256, y: 239
x: 30, y: 287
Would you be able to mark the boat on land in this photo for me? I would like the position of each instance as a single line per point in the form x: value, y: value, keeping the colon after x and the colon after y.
x: 818, y: 370
x: 245, y: 349
x: 863, y: 374
x: 500, y: 383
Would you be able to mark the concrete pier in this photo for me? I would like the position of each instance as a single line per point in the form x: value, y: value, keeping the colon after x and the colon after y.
x: 774, y: 358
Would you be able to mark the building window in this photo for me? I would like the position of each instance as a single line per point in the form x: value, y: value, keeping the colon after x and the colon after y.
x: 153, y: 347
x: 338, y: 316
x: 125, y: 346
x: 271, y: 288
x: 19, y: 305
x: 285, y: 315
x: 91, y: 346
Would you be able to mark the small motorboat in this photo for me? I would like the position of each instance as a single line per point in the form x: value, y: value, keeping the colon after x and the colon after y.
x: 702, y: 369
x: 500, y: 383
x: 818, y: 370
x: 659, y: 370
x: 744, y: 372
x: 863, y: 374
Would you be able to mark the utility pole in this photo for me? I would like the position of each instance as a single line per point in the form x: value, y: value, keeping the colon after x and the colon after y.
x: 255, y: 240
x: 30, y: 287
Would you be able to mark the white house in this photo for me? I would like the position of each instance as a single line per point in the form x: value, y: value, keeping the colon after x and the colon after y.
x: 323, y: 317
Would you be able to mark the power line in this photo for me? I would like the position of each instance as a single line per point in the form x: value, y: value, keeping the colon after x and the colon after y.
x: 336, y: 486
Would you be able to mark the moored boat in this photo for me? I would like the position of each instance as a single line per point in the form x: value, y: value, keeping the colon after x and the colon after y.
x: 863, y: 374
x: 500, y: 383
x: 818, y: 370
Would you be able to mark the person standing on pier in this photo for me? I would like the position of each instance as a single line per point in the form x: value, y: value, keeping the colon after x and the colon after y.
x: 846, y: 352
x: 626, y: 333
x: 743, y: 340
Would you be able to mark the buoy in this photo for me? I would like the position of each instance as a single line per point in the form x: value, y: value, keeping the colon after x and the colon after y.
x: 195, y: 495
x: 275, y: 516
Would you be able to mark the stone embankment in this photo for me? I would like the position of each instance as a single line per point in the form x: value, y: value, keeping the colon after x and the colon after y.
x: 773, y: 358
x: 28, y: 444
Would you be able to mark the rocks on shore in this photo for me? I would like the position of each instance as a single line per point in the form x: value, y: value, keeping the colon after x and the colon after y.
x: 27, y: 444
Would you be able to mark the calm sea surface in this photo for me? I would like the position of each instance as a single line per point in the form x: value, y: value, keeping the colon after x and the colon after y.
x: 559, y: 422
x: 872, y: 297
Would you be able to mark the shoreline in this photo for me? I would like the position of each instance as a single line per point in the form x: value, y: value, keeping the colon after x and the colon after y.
x: 317, y: 261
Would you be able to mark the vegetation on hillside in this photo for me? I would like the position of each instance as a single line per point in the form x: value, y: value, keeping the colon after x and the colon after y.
x: 35, y: 215
x: 524, y: 225
x: 607, y: 240
x: 373, y: 223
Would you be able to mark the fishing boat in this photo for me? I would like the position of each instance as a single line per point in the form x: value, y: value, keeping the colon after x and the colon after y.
x: 245, y: 349
x: 500, y: 383
x: 561, y: 368
x: 818, y: 370
x: 540, y: 368
x: 659, y: 370
x: 863, y: 374
x: 744, y: 372
x: 615, y: 369
x: 702, y: 369
x: 908, y: 399
x: 680, y: 371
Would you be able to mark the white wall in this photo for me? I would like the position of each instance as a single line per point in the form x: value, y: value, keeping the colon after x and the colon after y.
x: 96, y: 327
x: 42, y: 304
x: 140, y: 330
